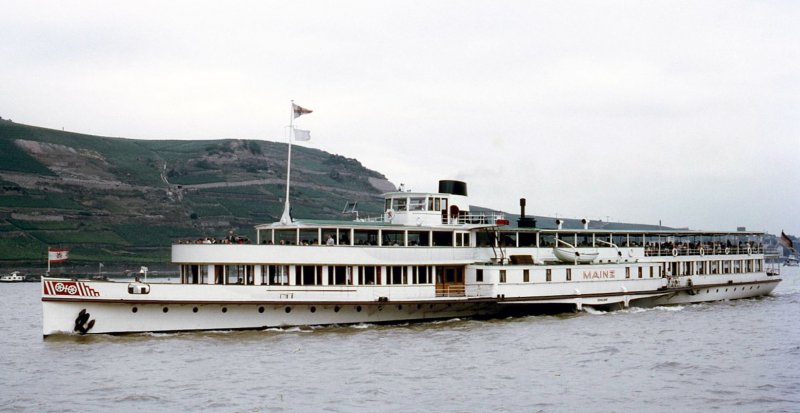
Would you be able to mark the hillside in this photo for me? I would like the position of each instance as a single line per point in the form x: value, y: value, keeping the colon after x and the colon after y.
x: 116, y: 200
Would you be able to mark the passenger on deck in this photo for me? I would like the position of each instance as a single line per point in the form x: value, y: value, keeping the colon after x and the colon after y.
x: 330, y: 240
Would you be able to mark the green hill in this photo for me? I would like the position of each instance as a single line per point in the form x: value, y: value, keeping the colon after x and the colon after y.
x: 116, y: 200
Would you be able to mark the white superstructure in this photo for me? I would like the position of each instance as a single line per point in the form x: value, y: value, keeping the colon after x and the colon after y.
x: 427, y: 257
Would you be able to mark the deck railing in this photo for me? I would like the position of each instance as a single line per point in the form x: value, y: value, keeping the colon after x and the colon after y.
x: 650, y: 251
x: 450, y: 291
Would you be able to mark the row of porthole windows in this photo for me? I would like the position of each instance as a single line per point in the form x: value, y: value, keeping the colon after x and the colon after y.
x: 288, y: 309
x: 758, y: 287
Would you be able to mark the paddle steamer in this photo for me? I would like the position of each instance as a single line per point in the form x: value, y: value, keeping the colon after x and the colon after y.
x: 429, y: 256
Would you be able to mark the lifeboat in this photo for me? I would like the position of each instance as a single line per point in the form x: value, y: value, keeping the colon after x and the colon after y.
x: 572, y: 255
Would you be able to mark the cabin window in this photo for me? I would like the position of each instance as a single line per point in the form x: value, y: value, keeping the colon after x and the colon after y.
x: 339, y: 275
x: 547, y: 240
x: 365, y: 237
x: 275, y: 274
x: 508, y: 239
x: 400, y: 204
x: 462, y: 239
x: 621, y: 240
x: 330, y: 234
x: 568, y: 238
x: 569, y: 274
x: 418, y: 238
x: 651, y: 272
x: 309, y: 275
x: 526, y: 276
x: 442, y: 239
x: 366, y: 275
x: 309, y: 236
x: 387, y: 204
x: 527, y: 239
x: 397, y: 274
x: 479, y: 275
x: 548, y: 274
x: 484, y: 239
x: 393, y: 238
x: 641, y: 270
x: 585, y: 240
x: 416, y: 204
x: 422, y: 274
x: 502, y: 276
x: 627, y: 272
x: 286, y: 236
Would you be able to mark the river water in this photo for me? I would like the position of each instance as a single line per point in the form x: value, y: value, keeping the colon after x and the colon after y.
x: 735, y: 356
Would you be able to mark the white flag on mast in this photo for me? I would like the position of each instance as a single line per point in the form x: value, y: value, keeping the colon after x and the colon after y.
x: 302, y: 135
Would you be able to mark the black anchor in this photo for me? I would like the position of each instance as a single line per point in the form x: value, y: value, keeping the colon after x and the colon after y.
x: 80, y: 322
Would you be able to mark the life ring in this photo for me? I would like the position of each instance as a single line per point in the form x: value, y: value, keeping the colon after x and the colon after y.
x: 749, y: 250
x: 702, y: 252
x: 390, y: 214
x: 727, y: 250
x: 674, y: 252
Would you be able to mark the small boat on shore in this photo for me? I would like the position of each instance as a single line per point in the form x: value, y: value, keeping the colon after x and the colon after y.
x: 14, y: 277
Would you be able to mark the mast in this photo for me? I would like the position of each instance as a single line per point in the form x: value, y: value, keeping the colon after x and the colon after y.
x: 286, y: 218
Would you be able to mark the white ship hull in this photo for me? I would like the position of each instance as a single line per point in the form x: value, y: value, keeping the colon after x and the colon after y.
x: 428, y: 258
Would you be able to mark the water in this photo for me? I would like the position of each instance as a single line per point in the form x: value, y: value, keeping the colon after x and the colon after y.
x: 736, y: 356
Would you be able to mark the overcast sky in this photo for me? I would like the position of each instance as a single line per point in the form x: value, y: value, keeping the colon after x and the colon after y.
x: 684, y: 112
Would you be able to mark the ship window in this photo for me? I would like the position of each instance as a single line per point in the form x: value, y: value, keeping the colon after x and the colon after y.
x: 275, y: 274
x: 621, y: 240
x: 641, y: 270
x: 502, y: 276
x: 627, y: 272
x: 396, y: 274
x: 508, y: 239
x: 526, y: 276
x: 393, y: 238
x: 388, y: 204
x: 416, y: 204
x: 339, y: 275
x: 423, y: 274
x: 286, y: 236
x: 462, y: 239
x: 442, y: 239
x: 527, y: 239
x: 366, y: 275
x: 400, y: 204
x: 311, y: 275
x: 479, y: 275
x: 568, y: 238
x: 584, y: 240
x: 365, y: 237
x: 418, y: 238
x: 484, y: 239
x: 329, y: 233
x: 309, y: 237
x: 548, y: 274
x: 547, y: 240
x: 569, y: 274
x: 651, y: 272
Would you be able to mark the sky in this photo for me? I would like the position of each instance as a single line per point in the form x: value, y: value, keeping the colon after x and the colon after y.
x: 680, y: 112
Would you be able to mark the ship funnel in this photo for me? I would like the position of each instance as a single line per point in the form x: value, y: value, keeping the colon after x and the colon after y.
x: 453, y: 187
x: 523, y: 221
